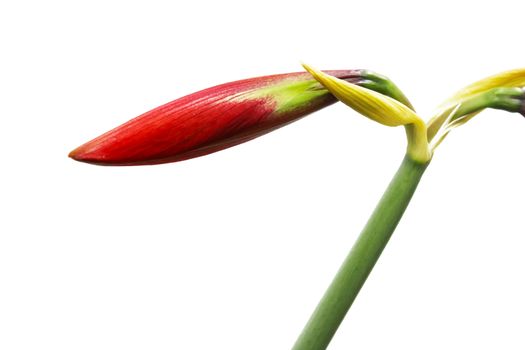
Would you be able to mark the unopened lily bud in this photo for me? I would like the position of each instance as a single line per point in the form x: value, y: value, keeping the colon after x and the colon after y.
x: 211, y: 120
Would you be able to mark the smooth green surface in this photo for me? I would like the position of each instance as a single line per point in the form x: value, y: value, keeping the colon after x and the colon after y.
x: 510, y: 99
x: 385, y: 86
x: 507, y: 99
x: 352, y: 275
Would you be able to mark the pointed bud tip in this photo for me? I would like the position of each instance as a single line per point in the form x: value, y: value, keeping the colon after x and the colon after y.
x: 79, y: 155
x: 86, y: 155
x: 74, y: 154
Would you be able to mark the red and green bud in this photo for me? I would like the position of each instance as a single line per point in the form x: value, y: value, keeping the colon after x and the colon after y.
x: 212, y: 119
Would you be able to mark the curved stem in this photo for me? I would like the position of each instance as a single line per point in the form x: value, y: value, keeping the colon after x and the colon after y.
x: 510, y: 99
x: 344, y: 288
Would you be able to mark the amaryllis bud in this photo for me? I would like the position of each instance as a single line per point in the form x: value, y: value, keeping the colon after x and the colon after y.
x: 212, y: 119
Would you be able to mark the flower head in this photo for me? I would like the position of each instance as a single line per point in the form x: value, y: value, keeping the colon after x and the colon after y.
x: 211, y: 120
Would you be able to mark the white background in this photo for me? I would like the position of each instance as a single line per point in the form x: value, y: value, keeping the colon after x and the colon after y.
x: 234, y: 250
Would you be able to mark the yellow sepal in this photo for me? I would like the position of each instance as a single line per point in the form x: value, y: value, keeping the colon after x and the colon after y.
x: 507, y: 79
x: 380, y: 108
x: 511, y: 78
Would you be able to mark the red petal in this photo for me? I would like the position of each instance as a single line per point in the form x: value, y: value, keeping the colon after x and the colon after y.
x: 197, y: 124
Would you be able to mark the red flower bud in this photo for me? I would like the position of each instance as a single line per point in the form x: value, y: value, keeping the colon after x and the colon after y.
x: 211, y: 120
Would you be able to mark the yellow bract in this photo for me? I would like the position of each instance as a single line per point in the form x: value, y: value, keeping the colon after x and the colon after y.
x: 380, y: 108
x: 509, y: 79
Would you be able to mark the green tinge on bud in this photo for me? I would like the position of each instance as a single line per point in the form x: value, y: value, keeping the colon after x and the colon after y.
x: 380, y: 108
x: 501, y: 91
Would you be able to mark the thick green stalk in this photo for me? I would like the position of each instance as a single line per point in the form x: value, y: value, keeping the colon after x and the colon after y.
x: 341, y: 293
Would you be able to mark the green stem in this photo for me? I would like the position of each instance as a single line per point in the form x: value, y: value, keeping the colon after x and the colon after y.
x: 507, y: 99
x: 341, y: 293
